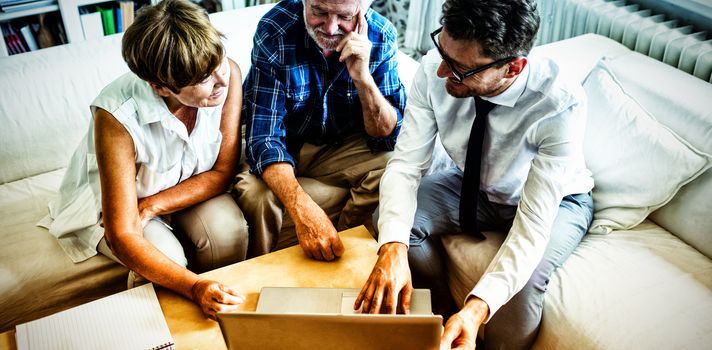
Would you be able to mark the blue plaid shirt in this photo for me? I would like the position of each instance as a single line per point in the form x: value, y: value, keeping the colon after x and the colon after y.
x: 293, y: 94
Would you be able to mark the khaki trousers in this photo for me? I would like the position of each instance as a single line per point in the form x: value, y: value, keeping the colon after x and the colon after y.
x: 342, y: 179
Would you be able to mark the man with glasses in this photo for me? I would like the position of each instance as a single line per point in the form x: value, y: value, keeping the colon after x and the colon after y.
x: 514, y: 128
x: 323, y: 102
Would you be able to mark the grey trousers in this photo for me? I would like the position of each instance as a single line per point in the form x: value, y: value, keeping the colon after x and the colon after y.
x: 516, y: 324
x: 212, y: 233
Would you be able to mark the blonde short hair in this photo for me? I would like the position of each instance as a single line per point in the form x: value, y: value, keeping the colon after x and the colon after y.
x: 172, y: 44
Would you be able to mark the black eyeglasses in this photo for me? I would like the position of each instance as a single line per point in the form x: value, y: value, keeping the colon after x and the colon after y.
x: 458, y: 75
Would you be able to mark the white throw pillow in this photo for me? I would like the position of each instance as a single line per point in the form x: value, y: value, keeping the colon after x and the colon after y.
x: 638, y: 164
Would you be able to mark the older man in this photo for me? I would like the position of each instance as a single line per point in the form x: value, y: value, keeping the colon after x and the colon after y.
x: 514, y: 126
x: 323, y: 100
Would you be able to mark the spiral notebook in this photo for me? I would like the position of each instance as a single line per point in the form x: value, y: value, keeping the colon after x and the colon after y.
x: 128, y: 320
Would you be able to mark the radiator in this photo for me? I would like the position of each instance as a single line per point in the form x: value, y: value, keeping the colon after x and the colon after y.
x: 639, y: 29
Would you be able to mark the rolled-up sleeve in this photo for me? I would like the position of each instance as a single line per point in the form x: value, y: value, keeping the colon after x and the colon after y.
x: 264, y: 110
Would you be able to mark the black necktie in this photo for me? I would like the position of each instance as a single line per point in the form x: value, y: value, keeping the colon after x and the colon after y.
x: 471, y: 178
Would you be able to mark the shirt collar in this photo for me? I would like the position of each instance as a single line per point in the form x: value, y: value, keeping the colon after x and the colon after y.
x: 150, y: 107
x: 510, y: 96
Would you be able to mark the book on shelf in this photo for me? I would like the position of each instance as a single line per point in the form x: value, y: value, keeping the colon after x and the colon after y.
x: 12, y: 46
x: 6, y: 39
x: 107, y: 19
x: 9, y: 44
x: 91, y: 25
x: 13, y: 41
x: 118, y: 20
x: 26, y: 32
x: 127, y: 13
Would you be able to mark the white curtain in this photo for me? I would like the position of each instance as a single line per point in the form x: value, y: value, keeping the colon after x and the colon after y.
x: 423, y: 18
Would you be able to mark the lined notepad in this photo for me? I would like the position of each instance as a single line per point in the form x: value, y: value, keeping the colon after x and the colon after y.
x: 128, y: 320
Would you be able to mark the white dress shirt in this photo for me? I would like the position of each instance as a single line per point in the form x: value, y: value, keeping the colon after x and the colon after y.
x: 165, y: 156
x: 532, y: 157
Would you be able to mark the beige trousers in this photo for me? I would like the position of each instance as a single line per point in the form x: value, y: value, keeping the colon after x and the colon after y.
x: 343, y: 180
x: 212, y: 233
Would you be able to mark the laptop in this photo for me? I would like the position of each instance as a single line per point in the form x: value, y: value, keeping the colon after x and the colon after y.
x: 323, y: 318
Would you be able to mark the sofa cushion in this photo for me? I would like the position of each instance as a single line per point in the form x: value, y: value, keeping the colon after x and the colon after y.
x: 675, y: 98
x: 44, y: 104
x: 688, y: 214
x: 637, y: 289
x: 36, y: 277
x: 681, y: 102
x: 638, y: 164
x: 615, y: 291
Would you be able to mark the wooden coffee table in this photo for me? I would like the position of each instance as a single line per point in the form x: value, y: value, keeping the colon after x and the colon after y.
x: 285, y: 268
x: 288, y: 267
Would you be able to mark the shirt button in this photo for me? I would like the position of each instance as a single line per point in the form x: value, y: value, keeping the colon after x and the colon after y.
x: 348, y: 94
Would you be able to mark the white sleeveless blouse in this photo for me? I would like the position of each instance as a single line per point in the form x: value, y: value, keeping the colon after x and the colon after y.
x: 165, y: 156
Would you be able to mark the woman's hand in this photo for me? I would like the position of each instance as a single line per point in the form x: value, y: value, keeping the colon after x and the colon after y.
x: 214, y: 297
x: 146, y: 210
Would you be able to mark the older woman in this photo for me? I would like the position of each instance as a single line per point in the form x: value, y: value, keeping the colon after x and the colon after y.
x: 161, y: 150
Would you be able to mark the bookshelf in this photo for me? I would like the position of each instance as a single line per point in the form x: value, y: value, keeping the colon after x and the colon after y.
x: 8, y: 16
x: 69, y: 18
x: 12, y: 21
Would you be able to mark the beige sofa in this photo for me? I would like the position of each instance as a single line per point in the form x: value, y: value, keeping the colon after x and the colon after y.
x: 646, y: 286
x: 44, y: 110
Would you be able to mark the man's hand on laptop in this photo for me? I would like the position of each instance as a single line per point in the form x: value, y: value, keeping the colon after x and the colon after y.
x: 317, y: 235
x: 213, y: 297
x: 389, y: 283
